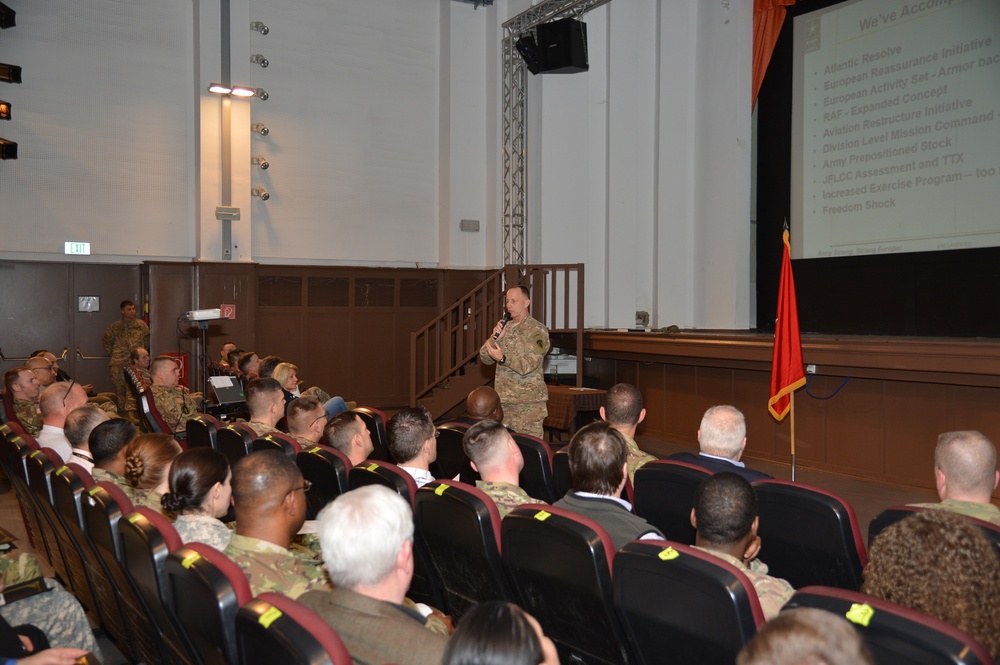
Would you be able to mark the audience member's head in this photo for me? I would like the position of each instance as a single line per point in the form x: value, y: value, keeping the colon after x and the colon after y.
x: 366, y: 537
x: 806, y: 636
x: 965, y: 467
x: 483, y: 403
x: 22, y: 383
x: 227, y: 348
x: 723, y: 432
x: 267, y: 365
x: 265, y: 400
x: 725, y: 516
x: 147, y: 461
x: 412, y: 436
x: 233, y: 358
x: 45, y: 370
x: 164, y: 371
x: 269, y: 496
x: 499, y: 633
x: 200, y: 483
x: 493, y: 451
x: 348, y: 433
x: 287, y: 375
x: 139, y: 357
x: 58, y: 400
x: 598, y: 459
x: 306, y: 418
x: 81, y: 422
x: 107, y: 444
x: 938, y: 563
x: 249, y: 363
x: 623, y: 407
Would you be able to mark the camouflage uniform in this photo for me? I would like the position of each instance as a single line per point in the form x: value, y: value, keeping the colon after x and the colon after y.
x: 636, y: 457
x: 56, y: 612
x: 506, y: 496
x: 119, y: 339
x: 519, y: 381
x: 304, y: 442
x: 29, y: 415
x: 203, y: 529
x: 131, y: 410
x: 773, y: 592
x: 981, y: 511
x: 149, y: 498
x: 270, y: 567
x: 103, y: 474
x: 262, y: 429
x: 175, y: 406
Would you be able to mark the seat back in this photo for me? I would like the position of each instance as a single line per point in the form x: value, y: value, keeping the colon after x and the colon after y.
x: 810, y: 536
x: 452, y: 462
x: 890, y: 516
x: 15, y: 452
x: 152, y: 421
x: 561, y: 477
x: 896, y: 635
x: 536, y: 477
x: 278, y: 441
x: 236, y: 441
x: 460, y: 526
x: 205, y: 589
x: 560, y: 567
x: 9, y: 412
x: 273, y: 628
x: 326, y: 468
x: 664, y: 493
x: 203, y: 430
x: 375, y: 422
x: 373, y: 472
x: 673, y: 599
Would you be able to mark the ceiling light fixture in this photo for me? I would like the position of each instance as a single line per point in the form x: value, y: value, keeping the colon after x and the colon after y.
x: 260, y: 161
x: 261, y: 129
x: 257, y: 191
x: 258, y: 26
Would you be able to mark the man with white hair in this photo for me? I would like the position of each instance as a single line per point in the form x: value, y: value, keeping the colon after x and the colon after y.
x: 367, y: 540
x: 965, y: 473
x: 56, y: 403
x: 722, y: 438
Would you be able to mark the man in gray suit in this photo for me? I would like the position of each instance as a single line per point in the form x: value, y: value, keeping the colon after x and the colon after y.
x: 366, y: 537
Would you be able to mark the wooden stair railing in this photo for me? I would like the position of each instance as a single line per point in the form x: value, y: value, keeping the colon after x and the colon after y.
x: 443, y: 349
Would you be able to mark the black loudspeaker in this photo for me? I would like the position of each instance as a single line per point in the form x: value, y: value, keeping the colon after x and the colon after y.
x: 528, y: 49
x: 562, y: 46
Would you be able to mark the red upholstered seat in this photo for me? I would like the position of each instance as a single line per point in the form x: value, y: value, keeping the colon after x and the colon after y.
x: 273, y: 628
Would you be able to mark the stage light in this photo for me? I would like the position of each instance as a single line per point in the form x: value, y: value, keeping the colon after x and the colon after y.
x: 259, y: 59
x: 257, y: 191
x: 260, y: 161
x: 261, y: 129
x: 8, y: 149
x: 243, y: 91
x: 258, y: 26
x: 5, y: 110
x: 10, y: 73
x: 7, y: 16
x: 262, y: 93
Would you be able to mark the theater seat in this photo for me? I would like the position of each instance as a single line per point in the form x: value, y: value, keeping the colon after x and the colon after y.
x: 273, y: 628
x: 451, y: 459
x: 896, y: 635
x: 664, y: 494
x: 890, y: 516
x: 236, y: 441
x: 561, y: 477
x: 536, y: 477
x: 673, y: 599
x: 560, y: 567
x: 326, y: 468
x: 375, y: 422
x: 203, y: 431
x: 277, y: 441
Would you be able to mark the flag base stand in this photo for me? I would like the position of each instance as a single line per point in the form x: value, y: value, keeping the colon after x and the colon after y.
x: 793, y: 467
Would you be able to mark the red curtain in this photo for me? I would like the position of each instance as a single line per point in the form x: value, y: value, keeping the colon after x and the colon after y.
x: 768, y: 16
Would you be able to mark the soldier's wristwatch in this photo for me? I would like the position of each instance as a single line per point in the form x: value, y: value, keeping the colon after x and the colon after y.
x: 503, y: 361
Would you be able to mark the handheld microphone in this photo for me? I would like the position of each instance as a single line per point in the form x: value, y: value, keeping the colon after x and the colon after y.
x: 503, y: 324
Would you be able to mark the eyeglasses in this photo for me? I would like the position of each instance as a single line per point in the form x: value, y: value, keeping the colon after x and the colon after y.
x: 319, y: 418
x: 437, y: 434
x: 68, y: 391
x: 306, y: 486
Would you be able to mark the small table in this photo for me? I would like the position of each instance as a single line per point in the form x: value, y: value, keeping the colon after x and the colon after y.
x: 570, y: 407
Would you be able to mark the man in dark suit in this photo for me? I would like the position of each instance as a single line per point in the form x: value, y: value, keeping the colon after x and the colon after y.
x: 722, y: 438
x: 366, y: 537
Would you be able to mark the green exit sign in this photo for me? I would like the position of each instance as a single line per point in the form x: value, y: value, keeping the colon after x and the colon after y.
x: 77, y: 248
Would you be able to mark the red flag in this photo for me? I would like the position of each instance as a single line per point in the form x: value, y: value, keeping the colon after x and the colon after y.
x: 787, y: 371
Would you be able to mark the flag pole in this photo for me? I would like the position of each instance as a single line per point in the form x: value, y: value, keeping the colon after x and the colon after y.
x: 792, y: 423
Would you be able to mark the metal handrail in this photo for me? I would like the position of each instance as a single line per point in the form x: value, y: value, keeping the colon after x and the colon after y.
x: 79, y: 352
x: 6, y: 358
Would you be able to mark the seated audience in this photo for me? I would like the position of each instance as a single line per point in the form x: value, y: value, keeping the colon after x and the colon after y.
x: 28, y: 645
x: 725, y: 516
x: 107, y: 445
x: 233, y: 359
x: 287, y: 375
x: 348, y: 433
x: 937, y: 563
x: 306, y: 420
x: 722, y: 438
x: 806, y: 636
x: 497, y: 458
x: 147, y: 467
x: 413, y: 443
x: 139, y: 361
x: 23, y: 386
x: 200, y: 491
x: 269, y: 497
x: 106, y: 401
x: 227, y: 349
x: 598, y: 463
x: 367, y: 541
x: 56, y: 403
x: 483, y: 403
x: 175, y: 404
x: 499, y: 633
x: 45, y: 371
x: 249, y: 364
x: 79, y: 424
x: 267, y: 365
x: 965, y: 473
x: 266, y: 403
x: 623, y: 410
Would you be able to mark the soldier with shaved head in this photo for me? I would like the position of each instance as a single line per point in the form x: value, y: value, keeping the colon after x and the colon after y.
x: 965, y: 474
